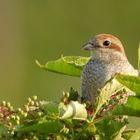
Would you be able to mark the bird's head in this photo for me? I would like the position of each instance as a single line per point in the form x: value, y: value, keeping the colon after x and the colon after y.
x: 104, y: 41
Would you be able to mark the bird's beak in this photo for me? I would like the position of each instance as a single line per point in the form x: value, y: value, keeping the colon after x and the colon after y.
x: 88, y: 46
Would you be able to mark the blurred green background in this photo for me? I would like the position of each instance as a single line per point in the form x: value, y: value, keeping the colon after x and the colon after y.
x: 45, y: 29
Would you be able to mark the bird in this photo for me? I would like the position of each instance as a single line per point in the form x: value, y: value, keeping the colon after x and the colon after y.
x: 108, y: 58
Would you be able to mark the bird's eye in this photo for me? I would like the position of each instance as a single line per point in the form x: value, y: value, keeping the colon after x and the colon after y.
x: 106, y: 43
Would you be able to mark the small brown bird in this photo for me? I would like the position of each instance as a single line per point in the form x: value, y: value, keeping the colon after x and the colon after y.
x: 108, y: 58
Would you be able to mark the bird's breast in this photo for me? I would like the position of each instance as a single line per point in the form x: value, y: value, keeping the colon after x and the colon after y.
x: 97, y: 71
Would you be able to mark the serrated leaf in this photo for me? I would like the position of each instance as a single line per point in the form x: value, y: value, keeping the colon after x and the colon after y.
x: 131, y: 108
x: 132, y: 82
x: 68, y: 65
x: 109, y: 128
x: 77, y: 61
x: 110, y: 88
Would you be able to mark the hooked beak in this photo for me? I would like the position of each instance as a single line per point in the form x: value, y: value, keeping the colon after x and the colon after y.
x: 88, y: 46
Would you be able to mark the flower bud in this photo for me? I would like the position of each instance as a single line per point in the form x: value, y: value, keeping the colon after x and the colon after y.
x: 3, y: 103
x: 34, y: 98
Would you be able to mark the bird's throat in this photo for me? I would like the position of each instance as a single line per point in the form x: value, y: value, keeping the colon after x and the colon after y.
x: 108, y: 55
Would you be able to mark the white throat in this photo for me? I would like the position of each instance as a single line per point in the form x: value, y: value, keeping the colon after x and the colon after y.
x: 107, y: 55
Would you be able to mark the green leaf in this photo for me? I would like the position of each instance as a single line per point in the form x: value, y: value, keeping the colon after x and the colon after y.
x: 131, y: 108
x: 73, y: 95
x: 77, y: 61
x: 119, y: 133
x: 49, y: 107
x: 132, y: 82
x: 127, y: 134
x: 111, y: 87
x: 139, y: 57
x: 3, y: 129
x: 110, y: 129
x: 68, y: 65
x: 136, y: 135
x: 47, y: 127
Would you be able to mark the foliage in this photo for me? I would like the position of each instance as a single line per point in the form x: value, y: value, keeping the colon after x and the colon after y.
x: 139, y: 57
x: 67, y: 119
x: 70, y: 65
